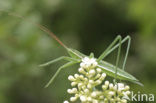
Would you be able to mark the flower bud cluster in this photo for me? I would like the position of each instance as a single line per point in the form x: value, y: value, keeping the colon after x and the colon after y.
x: 85, y: 85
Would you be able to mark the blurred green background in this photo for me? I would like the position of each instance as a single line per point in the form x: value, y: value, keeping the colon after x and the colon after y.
x: 85, y: 25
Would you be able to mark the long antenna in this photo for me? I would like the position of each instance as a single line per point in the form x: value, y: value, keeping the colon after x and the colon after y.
x: 43, y: 28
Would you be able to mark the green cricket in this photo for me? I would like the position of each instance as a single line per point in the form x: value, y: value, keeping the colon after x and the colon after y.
x: 75, y: 57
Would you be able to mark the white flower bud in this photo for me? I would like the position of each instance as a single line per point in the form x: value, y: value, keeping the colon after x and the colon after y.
x: 85, y: 79
x: 85, y: 59
x: 65, y: 102
x: 104, y: 87
x: 91, y: 81
x: 76, y: 76
x: 95, y: 64
x: 97, y: 76
x: 82, y: 65
x: 83, y: 98
x: 118, y: 99
x: 73, y: 99
x: 86, y: 91
x: 101, y: 97
x: 73, y: 83
x: 74, y: 90
x: 103, y: 75
x: 94, y: 94
x: 111, y: 93
x: 80, y: 85
x: 89, y: 99
x: 81, y: 77
x: 92, y: 60
x: 92, y: 72
x: 112, y: 100
x: 89, y: 86
x: 128, y: 92
x: 124, y: 101
x: 81, y: 70
x: 111, y: 86
x: 98, y: 70
x: 127, y: 87
x: 71, y: 78
x: 106, y: 83
x: 95, y: 101
x: 83, y: 87
x: 119, y: 91
x: 121, y: 86
x: 98, y: 82
x: 69, y: 91
x: 105, y: 100
x: 115, y: 88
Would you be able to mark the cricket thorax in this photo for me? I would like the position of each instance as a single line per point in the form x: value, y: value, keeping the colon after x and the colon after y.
x: 88, y: 62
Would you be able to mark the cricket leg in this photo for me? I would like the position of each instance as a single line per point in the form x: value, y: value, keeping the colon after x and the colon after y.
x: 105, y: 53
x: 117, y: 59
x: 127, y: 52
x: 56, y: 60
x: 58, y: 71
x: 127, y: 38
